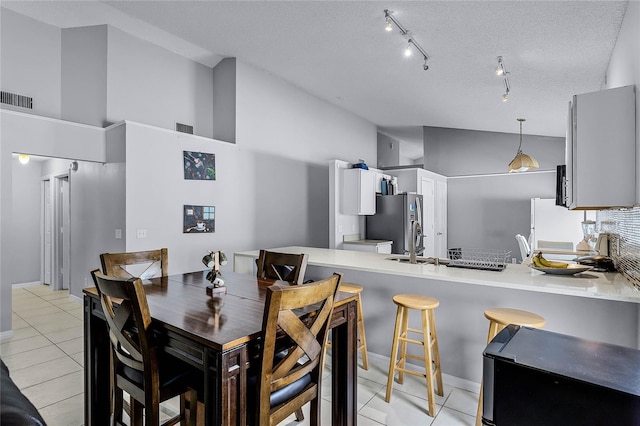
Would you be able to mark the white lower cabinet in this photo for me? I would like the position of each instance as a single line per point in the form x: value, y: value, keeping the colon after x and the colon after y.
x: 372, y: 246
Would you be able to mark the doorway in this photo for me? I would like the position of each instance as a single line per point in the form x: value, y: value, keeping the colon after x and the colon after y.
x: 56, y: 235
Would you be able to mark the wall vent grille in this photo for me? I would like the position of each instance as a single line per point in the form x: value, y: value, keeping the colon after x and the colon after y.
x: 16, y: 100
x: 184, y: 128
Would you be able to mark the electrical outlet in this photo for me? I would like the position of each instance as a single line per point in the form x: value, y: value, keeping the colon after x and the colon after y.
x: 141, y: 233
x: 118, y: 234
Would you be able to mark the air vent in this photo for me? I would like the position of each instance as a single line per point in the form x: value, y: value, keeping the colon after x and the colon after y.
x: 184, y: 128
x: 16, y: 100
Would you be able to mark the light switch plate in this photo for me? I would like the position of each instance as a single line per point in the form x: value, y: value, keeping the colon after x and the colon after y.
x: 118, y: 234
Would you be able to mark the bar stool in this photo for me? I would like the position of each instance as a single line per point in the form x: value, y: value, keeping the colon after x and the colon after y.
x: 429, y: 342
x: 353, y: 288
x: 499, y: 318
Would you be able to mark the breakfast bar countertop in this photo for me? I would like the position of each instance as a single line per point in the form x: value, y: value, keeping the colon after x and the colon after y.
x: 597, y: 285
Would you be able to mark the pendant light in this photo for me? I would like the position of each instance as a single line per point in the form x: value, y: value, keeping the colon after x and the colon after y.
x: 23, y: 158
x: 522, y: 162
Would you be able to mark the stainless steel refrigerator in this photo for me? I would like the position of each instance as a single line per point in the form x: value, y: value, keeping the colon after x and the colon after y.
x: 392, y: 220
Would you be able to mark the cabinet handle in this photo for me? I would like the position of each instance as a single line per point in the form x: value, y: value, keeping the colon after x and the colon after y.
x: 439, y: 233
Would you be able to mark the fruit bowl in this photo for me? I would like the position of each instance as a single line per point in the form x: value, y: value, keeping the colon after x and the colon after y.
x: 571, y: 269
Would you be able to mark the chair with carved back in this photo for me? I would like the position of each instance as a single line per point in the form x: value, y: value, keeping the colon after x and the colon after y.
x: 289, y: 379
x: 282, y: 266
x: 113, y: 264
x: 139, y: 368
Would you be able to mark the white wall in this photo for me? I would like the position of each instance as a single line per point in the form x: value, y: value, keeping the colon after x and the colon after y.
x: 272, y: 186
x: 293, y: 136
x: 25, y: 235
x: 149, y: 84
x: 30, y: 62
x: 97, y: 193
x: 39, y: 136
x: 624, y: 68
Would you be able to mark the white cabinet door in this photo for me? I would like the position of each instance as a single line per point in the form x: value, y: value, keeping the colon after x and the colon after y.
x: 358, y: 192
x: 427, y: 189
x: 601, y: 157
x: 441, y: 220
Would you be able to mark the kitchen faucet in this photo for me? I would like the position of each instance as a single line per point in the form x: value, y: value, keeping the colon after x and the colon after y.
x: 415, y: 249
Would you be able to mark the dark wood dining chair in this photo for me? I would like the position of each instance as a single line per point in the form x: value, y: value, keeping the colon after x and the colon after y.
x: 289, y: 379
x: 156, y: 261
x: 282, y: 266
x: 138, y: 368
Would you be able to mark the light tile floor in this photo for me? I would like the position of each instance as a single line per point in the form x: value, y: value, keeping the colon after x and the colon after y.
x: 45, y: 358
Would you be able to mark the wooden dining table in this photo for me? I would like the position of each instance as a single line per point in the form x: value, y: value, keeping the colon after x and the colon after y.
x: 218, y: 335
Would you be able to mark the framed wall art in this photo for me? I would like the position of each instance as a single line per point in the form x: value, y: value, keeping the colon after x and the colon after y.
x: 199, y: 165
x: 199, y: 219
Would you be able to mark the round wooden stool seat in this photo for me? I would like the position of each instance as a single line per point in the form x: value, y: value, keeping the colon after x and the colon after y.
x: 351, y: 288
x: 506, y: 316
x: 499, y: 318
x: 416, y: 301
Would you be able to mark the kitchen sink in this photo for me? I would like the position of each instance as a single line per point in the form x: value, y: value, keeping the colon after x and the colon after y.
x: 419, y: 260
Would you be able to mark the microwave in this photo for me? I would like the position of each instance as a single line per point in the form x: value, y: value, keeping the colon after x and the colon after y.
x: 561, y: 186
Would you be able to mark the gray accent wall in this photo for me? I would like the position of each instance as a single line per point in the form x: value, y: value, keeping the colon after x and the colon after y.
x: 388, y: 151
x: 224, y: 100
x: 488, y: 211
x: 84, y: 75
x: 487, y: 206
x: 459, y: 152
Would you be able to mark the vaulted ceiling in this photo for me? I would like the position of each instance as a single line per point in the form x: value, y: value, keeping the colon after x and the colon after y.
x: 339, y: 51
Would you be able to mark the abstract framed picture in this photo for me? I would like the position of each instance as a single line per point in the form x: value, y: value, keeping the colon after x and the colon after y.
x: 199, y: 219
x: 199, y: 165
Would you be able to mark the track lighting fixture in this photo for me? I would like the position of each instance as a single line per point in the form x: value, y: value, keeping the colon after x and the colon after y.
x: 389, y: 18
x: 501, y: 71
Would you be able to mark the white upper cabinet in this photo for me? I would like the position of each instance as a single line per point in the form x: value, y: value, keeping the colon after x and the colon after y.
x: 358, y: 192
x: 601, y: 149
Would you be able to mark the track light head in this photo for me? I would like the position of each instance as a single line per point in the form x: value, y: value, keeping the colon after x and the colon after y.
x: 505, y: 97
x: 407, y: 51
x: 388, y: 27
x: 500, y: 67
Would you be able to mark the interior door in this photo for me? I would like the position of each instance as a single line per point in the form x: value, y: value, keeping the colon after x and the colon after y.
x: 47, y: 246
x: 441, y: 220
x: 428, y: 221
x: 65, y: 226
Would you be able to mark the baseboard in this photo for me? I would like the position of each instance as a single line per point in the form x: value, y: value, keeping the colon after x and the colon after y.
x: 446, y: 378
x: 76, y: 298
x: 6, y: 335
x: 459, y: 383
x: 31, y: 284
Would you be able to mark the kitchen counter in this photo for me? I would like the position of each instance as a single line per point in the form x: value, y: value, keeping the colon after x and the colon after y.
x: 599, y: 285
x: 597, y: 306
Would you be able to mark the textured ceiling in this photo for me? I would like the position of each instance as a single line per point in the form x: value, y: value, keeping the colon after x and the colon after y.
x: 339, y: 51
